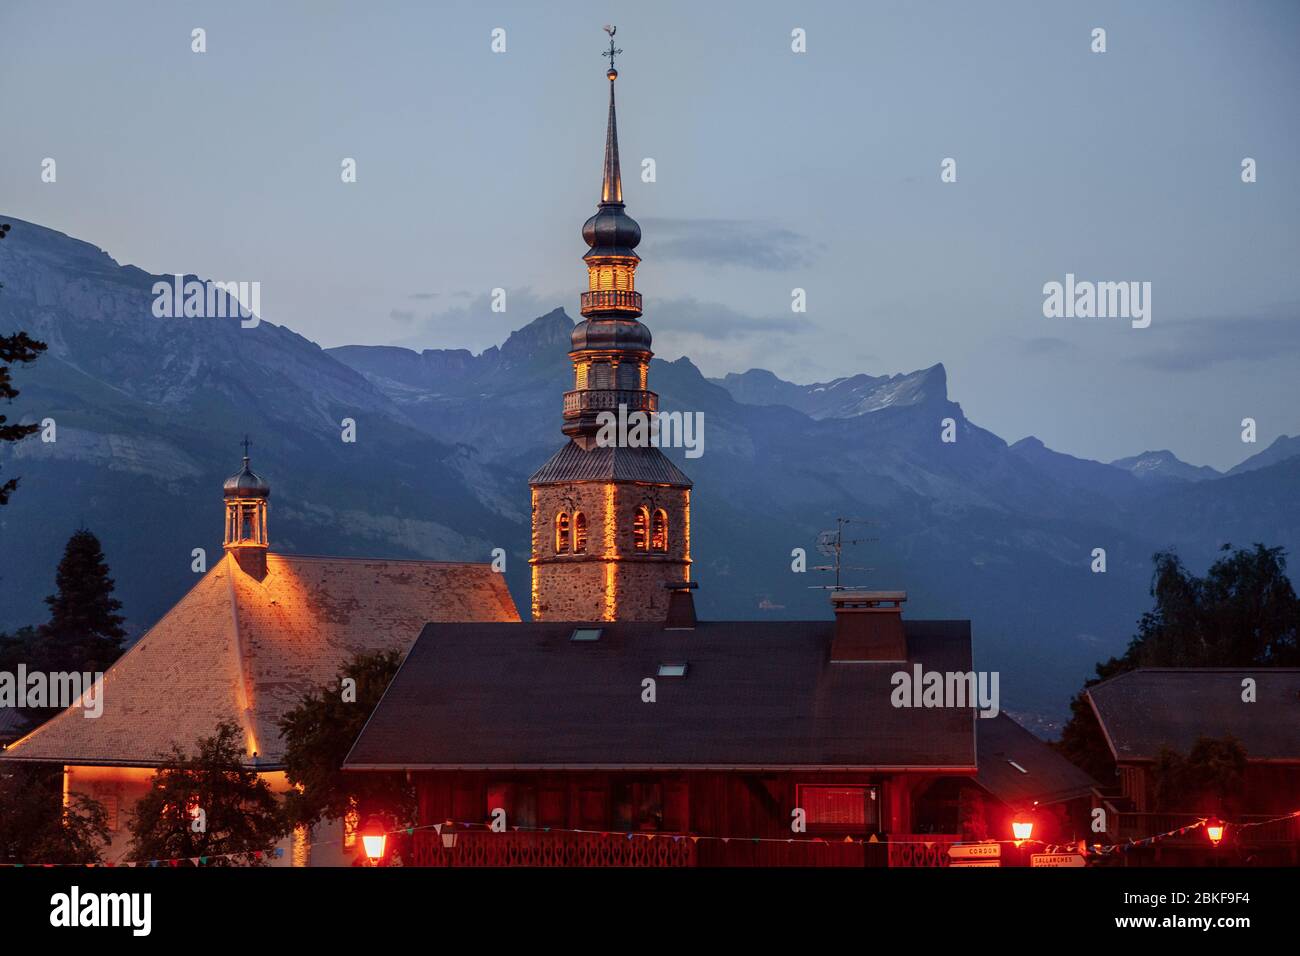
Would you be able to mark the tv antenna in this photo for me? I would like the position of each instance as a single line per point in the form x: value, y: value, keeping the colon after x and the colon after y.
x: 831, y: 544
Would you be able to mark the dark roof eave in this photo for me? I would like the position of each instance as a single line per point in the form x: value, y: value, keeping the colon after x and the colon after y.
x: 750, y: 768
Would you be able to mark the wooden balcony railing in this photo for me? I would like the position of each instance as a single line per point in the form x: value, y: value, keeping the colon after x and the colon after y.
x: 611, y: 300
x: 920, y: 849
x: 514, y: 848
x: 464, y: 847
x: 608, y: 399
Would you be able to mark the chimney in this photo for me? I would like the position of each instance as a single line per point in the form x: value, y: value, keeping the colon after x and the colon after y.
x: 868, y: 627
x: 681, y: 606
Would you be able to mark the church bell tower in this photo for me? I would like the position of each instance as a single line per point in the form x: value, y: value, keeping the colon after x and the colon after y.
x: 611, y: 521
x: 246, y: 496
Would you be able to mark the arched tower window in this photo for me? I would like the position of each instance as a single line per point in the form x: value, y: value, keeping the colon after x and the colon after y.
x: 579, y: 533
x: 641, y: 529
x: 562, y: 533
x: 659, y: 531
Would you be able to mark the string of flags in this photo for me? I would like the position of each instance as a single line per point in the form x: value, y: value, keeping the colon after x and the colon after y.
x: 450, y: 826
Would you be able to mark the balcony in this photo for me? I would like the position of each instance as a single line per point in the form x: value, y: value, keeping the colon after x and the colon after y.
x: 608, y: 400
x: 512, y: 848
x: 482, y: 848
x: 611, y: 300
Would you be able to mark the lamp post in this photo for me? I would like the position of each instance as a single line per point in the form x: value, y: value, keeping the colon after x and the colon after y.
x: 1215, y: 829
x: 374, y: 839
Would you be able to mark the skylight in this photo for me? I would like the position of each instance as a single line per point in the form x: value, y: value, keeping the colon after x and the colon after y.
x: 672, y: 670
x: 585, y: 634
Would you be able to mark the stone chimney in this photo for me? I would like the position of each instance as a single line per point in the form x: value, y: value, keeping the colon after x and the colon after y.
x: 868, y: 627
x: 681, y: 606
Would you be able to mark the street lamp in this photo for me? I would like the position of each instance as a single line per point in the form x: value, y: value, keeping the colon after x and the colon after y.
x: 1214, y: 829
x: 373, y: 840
x: 1022, y: 829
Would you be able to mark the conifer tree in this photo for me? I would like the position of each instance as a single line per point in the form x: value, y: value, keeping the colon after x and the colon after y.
x: 85, y: 631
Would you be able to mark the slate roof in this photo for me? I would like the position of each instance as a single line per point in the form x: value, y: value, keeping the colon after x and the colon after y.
x: 611, y: 463
x: 1145, y: 709
x: 12, y: 724
x: 1018, y: 768
x: 755, y: 695
x: 246, y: 650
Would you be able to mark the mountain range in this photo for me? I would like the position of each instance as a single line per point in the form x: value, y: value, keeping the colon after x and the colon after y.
x: 149, y: 413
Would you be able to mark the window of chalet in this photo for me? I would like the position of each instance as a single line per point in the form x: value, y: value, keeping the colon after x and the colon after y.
x: 638, y: 805
x: 641, y: 529
x: 562, y: 533
x: 659, y: 531
x: 841, y: 808
x: 519, y: 800
x: 579, y: 533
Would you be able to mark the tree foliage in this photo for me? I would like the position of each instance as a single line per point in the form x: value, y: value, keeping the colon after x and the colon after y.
x: 318, y: 734
x: 35, y: 827
x: 19, y: 348
x: 209, y: 805
x: 1210, y: 776
x: 84, y: 633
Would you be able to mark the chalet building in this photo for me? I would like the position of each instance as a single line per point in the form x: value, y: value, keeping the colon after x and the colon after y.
x: 552, y: 723
x: 615, y: 718
x: 256, y: 633
x: 1149, y: 710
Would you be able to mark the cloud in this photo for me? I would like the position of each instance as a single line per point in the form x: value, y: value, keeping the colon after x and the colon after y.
x: 1196, y: 344
x: 402, y: 315
x: 1046, y: 345
x: 424, y: 295
x: 717, y: 321
x: 473, y: 324
x: 745, y: 243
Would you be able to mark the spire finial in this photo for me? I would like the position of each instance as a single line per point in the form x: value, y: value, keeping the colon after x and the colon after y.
x: 247, y: 444
x: 611, y: 52
x: 611, y: 187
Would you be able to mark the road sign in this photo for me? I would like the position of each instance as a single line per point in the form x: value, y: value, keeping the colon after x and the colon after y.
x: 975, y: 851
x: 965, y: 863
x: 1057, y: 859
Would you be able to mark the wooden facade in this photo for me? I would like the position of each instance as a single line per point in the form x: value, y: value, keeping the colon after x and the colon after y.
x: 647, y: 818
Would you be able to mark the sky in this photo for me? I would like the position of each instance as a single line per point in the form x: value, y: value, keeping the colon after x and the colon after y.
x: 774, y: 170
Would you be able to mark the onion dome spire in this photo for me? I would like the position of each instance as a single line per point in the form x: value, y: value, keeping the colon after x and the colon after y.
x: 610, y: 348
x: 611, y: 232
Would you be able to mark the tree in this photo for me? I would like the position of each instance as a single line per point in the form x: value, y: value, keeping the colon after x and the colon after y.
x: 1244, y: 612
x: 16, y: 348
x: 318, y: 734
x: 209, y: 805
x: 1210, y: 776
x: 84, y: 623
x: 36, y: 827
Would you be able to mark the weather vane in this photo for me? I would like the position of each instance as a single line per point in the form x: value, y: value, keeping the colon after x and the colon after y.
x: 611, y: 52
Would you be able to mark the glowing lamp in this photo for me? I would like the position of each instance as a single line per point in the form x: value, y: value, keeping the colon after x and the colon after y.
x: 373, y: 840
x: 1214, y: 829
x: 1022, y: 830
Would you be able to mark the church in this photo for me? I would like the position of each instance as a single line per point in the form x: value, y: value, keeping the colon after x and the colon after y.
x: 255, y: 634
